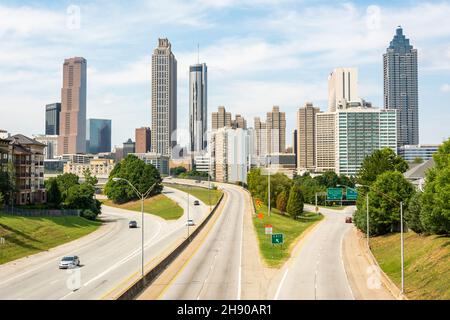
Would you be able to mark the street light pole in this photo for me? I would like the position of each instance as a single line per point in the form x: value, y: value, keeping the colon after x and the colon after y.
x: 402, y: 247
x: 188, y: 213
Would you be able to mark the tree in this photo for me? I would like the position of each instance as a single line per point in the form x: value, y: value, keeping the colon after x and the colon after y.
x: 54, y: 197
x: 65, y: 182
x: 418, y: 160
x: 346, y: 181
x: 89, y: 178
x: 141, y: 175
x: 385, y: 196
x: 412, y: 215
x: 379, y: 162
x: 2, y: 200
x: 309, y: 187
x: 81, y: 197
x: 329, y: 179
x: 282, y: 200
x: 177, y: 171
x: 295, y: 203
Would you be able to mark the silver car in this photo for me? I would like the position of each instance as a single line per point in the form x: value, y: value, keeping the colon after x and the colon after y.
x: 69, y: 262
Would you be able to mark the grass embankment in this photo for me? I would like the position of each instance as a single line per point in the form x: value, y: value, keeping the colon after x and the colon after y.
x: 427, y: 264
x: 201, y: 193
x: 159, y: 205
x: 275, y: 256
x: 24, y: 236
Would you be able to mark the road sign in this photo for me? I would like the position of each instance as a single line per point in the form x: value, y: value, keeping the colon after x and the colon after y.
x: 260, y: 216
x: 334, y: 194
x: 269, y: 229
x: 278, y: 238
x: 352, y: 194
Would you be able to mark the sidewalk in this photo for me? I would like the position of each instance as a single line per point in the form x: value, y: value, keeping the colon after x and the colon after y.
x: 367, y: 280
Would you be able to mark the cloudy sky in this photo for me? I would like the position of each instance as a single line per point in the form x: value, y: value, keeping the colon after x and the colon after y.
x: 259, y: 53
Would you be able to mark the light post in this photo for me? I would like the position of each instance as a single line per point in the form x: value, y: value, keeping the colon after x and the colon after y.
x: 188, y: 205
x: 142, y: 196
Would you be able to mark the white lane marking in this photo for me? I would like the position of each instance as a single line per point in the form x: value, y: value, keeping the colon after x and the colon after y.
x: 124, y: 260
x: 277, y: 294
x: 240, y: 259
x: 67, y: 295
x: 343, y: 265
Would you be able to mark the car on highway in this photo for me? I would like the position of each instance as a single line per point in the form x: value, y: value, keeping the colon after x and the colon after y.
x: 348, y: 220
x: 196, y: 203
x: 69, y: 262
x: 133, y: 224
x: 190, y: 223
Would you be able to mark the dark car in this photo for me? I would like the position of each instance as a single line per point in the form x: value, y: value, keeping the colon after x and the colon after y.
x: 196, y: 203
x: 348, y: 220
x: 133, y: 225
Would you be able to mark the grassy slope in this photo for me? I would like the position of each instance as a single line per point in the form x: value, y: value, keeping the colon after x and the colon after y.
x: 159, y: 205
x: 292, y: 229
x: 25, y: 236
x: 427, y: 263
x: 200, y: 193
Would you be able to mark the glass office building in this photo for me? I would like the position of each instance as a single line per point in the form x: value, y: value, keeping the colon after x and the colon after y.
x: 52, y: 112
x: 424, y: 152
x: 98, y: 135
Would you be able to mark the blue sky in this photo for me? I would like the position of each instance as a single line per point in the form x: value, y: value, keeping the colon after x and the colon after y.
x: 259, y: 53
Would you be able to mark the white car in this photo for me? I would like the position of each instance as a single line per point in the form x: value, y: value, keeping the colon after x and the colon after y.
x: 69, y: 262
x: 190, y: 223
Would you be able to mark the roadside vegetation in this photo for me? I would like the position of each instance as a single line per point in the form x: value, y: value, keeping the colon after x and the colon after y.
x: 209, y: 197
x: 427, y: 263
x: 275, y: 256
x: 182, y: 173
x: 24, y: 236
x: 159, y: 205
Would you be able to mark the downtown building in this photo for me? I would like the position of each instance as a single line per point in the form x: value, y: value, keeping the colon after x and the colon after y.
x: 221, y: 119
x: 164, y: 99
x: 306, y: 135
x: 98, y: 136
x: 72, y: 133
x: 143, y: 138
x: 52, y: 118
x: 342, y: 86
x: 198, y: 108
x: 401, y: 87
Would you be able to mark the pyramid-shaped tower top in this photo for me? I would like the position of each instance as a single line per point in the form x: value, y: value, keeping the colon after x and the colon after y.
x: 400, y: 43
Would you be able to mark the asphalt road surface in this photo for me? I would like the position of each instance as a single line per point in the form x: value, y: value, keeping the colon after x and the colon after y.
x: 317, y: 271
x: 106, y: 262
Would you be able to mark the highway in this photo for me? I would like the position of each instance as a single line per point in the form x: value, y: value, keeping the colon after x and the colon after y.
x: 108, y: 257
x: 215, y: 271
x: 316, y: 270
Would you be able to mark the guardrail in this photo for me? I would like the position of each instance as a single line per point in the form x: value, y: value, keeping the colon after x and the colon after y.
x: 136, y: 288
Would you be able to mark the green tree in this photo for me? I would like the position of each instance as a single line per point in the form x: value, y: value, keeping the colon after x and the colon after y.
x: 81, y: 197
x: 65, y: 182
x: 177, y: 171
x: 346, y: 181
x: 282, y: 200
x: 379, y: 162
x: 140, y: 175
x: 295, y: 203
x: 418, y: 160
x: 89, y: 178
x: 385, y: 196
x: 328, y: 179
x: 412, y: 215
x: 309, y: 187
x: 2, y: 200
x: 54, y: 197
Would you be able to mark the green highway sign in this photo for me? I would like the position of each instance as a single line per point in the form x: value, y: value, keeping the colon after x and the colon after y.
x: 278, y: 238
x: 352, y: 194
x: 334, y: 194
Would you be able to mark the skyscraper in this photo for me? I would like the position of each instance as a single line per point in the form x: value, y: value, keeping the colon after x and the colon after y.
x: 325, y: 141
x: 342, y: 85
x: 98, y: 135
x: 221, y: 119
x: 52, y: 113
x: 401, y: 87
x: 276, y: 131
x: 239, y: 122
x: 198, y: 107
x: 143, y: 140
x: 306, y: 128
x: 72, y: 134
x: 260, y: 133
x: 164, y: 99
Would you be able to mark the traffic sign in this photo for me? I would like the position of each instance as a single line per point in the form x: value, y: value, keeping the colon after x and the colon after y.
x: 278, y: 238
x: 269, y: 229
x: 352, y: 194
x: 260, y: 216
x: 334, y: 194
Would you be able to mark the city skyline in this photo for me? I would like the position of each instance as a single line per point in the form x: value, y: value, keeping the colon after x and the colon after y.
x: 302, y: 78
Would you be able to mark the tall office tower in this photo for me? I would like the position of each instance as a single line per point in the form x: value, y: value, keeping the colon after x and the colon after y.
x: 143, y: 140
x: 359, y: 132
x: 295, y: 145
x: 52, y: 113
x: 98, y: 136
x: 239, y: 122
x: 164, y: 99
x: 198, y: 107
x: 221, y: 119
x: 325, y: 141
x: 306, y: 128
x: 128, y: 147
x: 72, y: 133
x: 401, y: 87
x: 260, y: 135
x: 342, y: 85
x: 276, y: 131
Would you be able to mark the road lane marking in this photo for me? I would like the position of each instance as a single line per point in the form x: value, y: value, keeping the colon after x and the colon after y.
x: 343, y: 265
x: 277, y: 294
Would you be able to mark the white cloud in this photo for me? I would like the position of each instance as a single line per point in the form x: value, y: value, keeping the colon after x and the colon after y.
x: 445, y: 88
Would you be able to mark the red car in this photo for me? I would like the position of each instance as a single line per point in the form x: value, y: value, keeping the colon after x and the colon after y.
x: 348, y: 220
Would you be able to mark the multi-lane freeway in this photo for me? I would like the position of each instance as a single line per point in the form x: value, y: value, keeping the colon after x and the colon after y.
x: 108, y: 257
